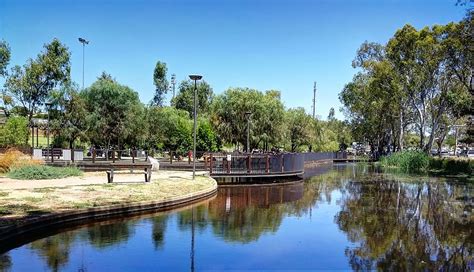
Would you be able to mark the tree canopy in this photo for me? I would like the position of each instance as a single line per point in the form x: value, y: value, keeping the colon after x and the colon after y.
x: 30, y: 85
x: 266, y: 117
x: 160, y: 82
x: 418, y: 82
x: 184, y: 100
x: 114, y: 112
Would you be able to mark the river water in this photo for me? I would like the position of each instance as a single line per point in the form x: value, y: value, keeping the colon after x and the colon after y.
x: 350, y: 217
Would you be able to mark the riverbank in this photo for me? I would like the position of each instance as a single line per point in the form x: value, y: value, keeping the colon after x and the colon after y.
x: 29, y: 200
x: 421, y: 163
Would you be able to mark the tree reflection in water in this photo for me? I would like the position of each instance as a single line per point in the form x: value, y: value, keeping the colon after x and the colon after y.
x: 407, y: 226
x: 158, y: 230
x: 5, y: 262
x: 244, y: 213
x: 107, y: 235
x: 55, y: 249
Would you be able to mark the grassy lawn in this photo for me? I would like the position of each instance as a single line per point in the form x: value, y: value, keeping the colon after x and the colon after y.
x: 17, y: 204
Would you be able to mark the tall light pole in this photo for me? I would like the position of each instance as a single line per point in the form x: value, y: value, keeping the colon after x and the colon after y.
x: 195, y: 78
x: 173, y: 83
x: 247, y: 114
x: 84, y: 42
x: 314, y: 100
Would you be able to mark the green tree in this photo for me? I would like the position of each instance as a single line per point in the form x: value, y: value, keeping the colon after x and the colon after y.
x: 160, y: 82
x: 325, y: 140
x: 419, y: 57
x: 206, y: 138
x: 332, y: 114
x: 228, y: 115
x: 170, y: 129
x: 15, y: 132
x: 300, y: 128
x: 69, y: 117
x: 112, y: 109
x: 184, y: 100
x: 31, y: 84
x: 4, y: 58
x: 416, y: 82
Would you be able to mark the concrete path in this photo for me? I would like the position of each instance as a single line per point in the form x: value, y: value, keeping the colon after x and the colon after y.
x: 93, y: 178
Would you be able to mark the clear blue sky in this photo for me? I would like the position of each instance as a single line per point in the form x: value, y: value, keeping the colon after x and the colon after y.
x: 283, y: 45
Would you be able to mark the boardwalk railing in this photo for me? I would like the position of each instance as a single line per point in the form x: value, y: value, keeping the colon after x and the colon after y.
x: 318, y: 156
x: 255, y: 164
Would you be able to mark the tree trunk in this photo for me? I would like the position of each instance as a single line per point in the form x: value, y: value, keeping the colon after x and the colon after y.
x: 434, y: 128
x: 422, y: 136
x: 400, y: 135
x: 456, y: 141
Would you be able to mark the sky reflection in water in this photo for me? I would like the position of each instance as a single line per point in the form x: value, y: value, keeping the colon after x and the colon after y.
x: 347, y: 218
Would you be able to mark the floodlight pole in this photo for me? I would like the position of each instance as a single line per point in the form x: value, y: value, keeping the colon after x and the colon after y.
x: 84, y: 42
x: 195, y: 78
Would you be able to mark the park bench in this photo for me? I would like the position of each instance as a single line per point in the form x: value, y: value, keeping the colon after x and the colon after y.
x: 144, y: 169
x: 56, y: 152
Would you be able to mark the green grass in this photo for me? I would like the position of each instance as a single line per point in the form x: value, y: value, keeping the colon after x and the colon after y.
x: 32, y: 172
x: 42, y: 140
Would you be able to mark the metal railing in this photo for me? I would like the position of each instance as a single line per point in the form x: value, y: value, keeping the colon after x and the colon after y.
x: 318, y: 156
x: 254, y: 164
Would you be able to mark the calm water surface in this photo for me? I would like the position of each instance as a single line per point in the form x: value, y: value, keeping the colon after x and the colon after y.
x: 347, y: 218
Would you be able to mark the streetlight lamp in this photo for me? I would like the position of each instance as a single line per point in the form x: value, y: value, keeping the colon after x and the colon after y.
x: 84, y: 42
x: 48, y: 106
x: 247, y: 115
x: 195, y: 78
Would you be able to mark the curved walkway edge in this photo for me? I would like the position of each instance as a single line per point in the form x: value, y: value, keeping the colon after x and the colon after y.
x: 9, y: 236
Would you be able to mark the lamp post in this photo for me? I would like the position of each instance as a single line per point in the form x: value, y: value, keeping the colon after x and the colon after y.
x: 84, y: 42
x: 247, y: 115
x: 173, y: 83
x: 48, y: 106
x: 195, y: 78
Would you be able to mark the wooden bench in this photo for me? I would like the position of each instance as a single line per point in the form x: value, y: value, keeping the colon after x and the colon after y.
x: 143, y: 169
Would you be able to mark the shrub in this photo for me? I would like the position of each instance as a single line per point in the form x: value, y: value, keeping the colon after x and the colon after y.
x: 14, y: 159
x: 30, y: 172
x: 15, y: 132
x: 407, y: 161
x: 452, y: 165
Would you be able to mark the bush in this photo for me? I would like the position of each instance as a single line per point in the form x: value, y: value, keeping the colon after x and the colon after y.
x: 14, y: 159
x: 43, y: 172
x: 452, y: 165
x: 407, y: 161
x: 15, y: 132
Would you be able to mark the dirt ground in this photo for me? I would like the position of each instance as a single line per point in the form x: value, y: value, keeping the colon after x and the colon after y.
x: 90, y: 178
